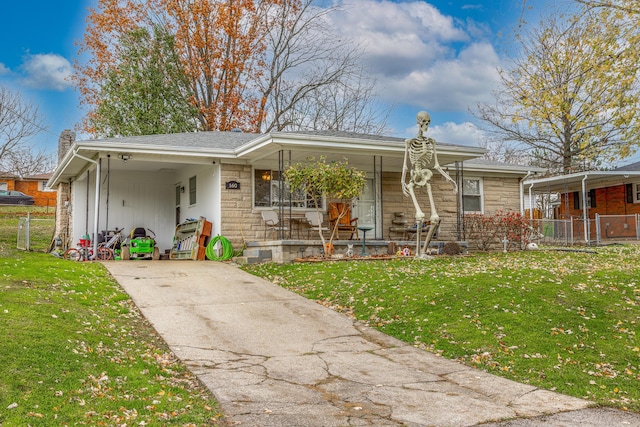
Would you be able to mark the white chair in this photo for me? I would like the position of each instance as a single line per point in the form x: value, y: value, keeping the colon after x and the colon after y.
x: 271, y: 222
x: 315, y: 222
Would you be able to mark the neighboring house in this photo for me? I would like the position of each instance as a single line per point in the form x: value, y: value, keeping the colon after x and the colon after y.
x: 159, y: 181
x: 603, y: 204
x: 34, y: 186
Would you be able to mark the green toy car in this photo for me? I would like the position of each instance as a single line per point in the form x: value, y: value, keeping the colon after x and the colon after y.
x: 140, y: 245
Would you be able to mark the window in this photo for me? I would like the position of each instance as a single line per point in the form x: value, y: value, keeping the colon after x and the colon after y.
x: 576, y: 200
x: 591, y: 199
x: 472, y: 195
x: 633, y: 193
x: 270, y: 190
x: 192, y: 190
x: 42, y: 186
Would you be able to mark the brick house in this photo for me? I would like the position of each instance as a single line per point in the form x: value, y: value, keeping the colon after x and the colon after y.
x: 159, y: 181
x: 34, y: 186
x: 605, y: 203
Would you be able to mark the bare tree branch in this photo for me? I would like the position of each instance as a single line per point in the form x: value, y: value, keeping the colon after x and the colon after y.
x: 19, y: 122
x: 315, y: 80
x: 27, y: 161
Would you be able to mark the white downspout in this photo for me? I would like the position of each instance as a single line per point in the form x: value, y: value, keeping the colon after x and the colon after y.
x: 97, y: 201
x: 585, y: 218
x: 522, y: 192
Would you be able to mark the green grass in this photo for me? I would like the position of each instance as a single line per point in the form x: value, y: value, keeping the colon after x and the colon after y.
x: 76, y: 351
x: 563, y: 321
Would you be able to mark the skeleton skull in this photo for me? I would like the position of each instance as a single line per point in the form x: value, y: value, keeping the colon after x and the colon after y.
x: 423, y: 119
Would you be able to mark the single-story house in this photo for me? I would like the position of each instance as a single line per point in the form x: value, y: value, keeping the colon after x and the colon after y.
x: 603, y: 204
x: 34, y: 186
x: 229, y: 178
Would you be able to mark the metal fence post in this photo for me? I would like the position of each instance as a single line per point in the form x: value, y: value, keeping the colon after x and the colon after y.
x: 571, y: 231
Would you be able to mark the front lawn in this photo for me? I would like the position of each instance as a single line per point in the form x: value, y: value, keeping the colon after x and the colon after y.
x: 76, y: 351
x: 555, y: 319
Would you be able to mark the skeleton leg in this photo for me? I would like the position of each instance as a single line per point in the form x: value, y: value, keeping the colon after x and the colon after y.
x: 419, y: 213
x: 435, y: 222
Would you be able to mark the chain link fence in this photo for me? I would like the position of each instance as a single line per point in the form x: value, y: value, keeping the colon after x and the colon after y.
x: 34, y: 234
x: 602, y: 230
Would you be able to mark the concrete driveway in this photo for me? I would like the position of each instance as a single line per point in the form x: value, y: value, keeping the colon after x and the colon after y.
x: 273, y: 358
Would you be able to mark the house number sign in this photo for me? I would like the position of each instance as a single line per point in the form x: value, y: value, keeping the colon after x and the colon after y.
x: 232, y: 185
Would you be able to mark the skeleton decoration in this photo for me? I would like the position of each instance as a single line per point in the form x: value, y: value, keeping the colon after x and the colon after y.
x: 421, y: 152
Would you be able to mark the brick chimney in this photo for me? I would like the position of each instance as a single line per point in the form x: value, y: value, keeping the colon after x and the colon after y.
x: 67, y: 137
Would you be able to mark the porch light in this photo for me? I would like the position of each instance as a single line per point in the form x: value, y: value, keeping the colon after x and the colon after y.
x: 125, y: 157
x: 266, y: 176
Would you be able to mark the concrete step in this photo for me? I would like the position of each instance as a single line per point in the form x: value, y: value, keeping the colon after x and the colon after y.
x: 254, y: 256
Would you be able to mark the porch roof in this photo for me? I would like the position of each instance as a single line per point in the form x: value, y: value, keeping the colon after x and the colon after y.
x: 165, y: 152
x: 573, y: 182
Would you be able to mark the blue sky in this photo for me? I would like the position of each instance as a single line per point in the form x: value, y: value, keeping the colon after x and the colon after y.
x: 440, y: 56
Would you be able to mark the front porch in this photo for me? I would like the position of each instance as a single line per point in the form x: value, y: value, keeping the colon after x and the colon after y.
x: 284, y: 251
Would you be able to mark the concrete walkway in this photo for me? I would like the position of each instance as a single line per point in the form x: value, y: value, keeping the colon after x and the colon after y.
x: 273, y: 358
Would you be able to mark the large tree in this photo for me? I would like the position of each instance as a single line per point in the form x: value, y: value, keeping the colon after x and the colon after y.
x: 571, y: 95
x: 147, y: 93
x: 219, y: 44
x: 19, y: 122
x: 626, y: 6
x: 255, y: 65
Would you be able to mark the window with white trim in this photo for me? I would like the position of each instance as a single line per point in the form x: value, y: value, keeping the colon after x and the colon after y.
x: 269, y: 191
x: 472, y: 201
x: 42, y: 186
x: 192, y: 190
x: 636, y: 192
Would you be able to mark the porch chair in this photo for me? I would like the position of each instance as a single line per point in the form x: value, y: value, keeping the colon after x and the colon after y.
x: 340, y: 213
x: 272, y: 222
x: 315, y: 219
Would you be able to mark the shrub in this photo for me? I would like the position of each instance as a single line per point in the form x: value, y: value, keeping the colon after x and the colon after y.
x: 489, y: 231
x: 451, y: 248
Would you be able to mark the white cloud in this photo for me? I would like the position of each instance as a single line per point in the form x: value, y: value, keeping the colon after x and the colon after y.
x: 4, y: 69
x: 46, y: 71
x: 449, y: 84
x: 419, y: 56
x: 460, y: 134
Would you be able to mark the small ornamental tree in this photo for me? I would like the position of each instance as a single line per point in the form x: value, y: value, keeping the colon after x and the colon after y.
x: 329, y: 180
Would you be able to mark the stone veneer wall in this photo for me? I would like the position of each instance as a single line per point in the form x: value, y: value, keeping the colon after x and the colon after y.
x: 394, y: 201
x: 63, y: 223
x: 501, y: 194
x: 244, y: 224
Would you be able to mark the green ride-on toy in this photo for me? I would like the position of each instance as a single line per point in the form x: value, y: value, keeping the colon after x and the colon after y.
x: 140, y: 245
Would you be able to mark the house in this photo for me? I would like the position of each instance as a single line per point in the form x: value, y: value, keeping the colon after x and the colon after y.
x: 601, y: 205
x: 34, y: 186
x: 229, y: 178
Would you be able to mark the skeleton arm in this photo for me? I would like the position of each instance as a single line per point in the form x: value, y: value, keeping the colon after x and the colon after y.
x: 405, y: 168
x: 437, y: 167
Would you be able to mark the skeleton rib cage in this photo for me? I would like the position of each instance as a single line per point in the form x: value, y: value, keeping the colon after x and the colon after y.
x: 421, y: 152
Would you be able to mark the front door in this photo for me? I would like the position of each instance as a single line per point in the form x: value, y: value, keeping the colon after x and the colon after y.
x: 365, y: 208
